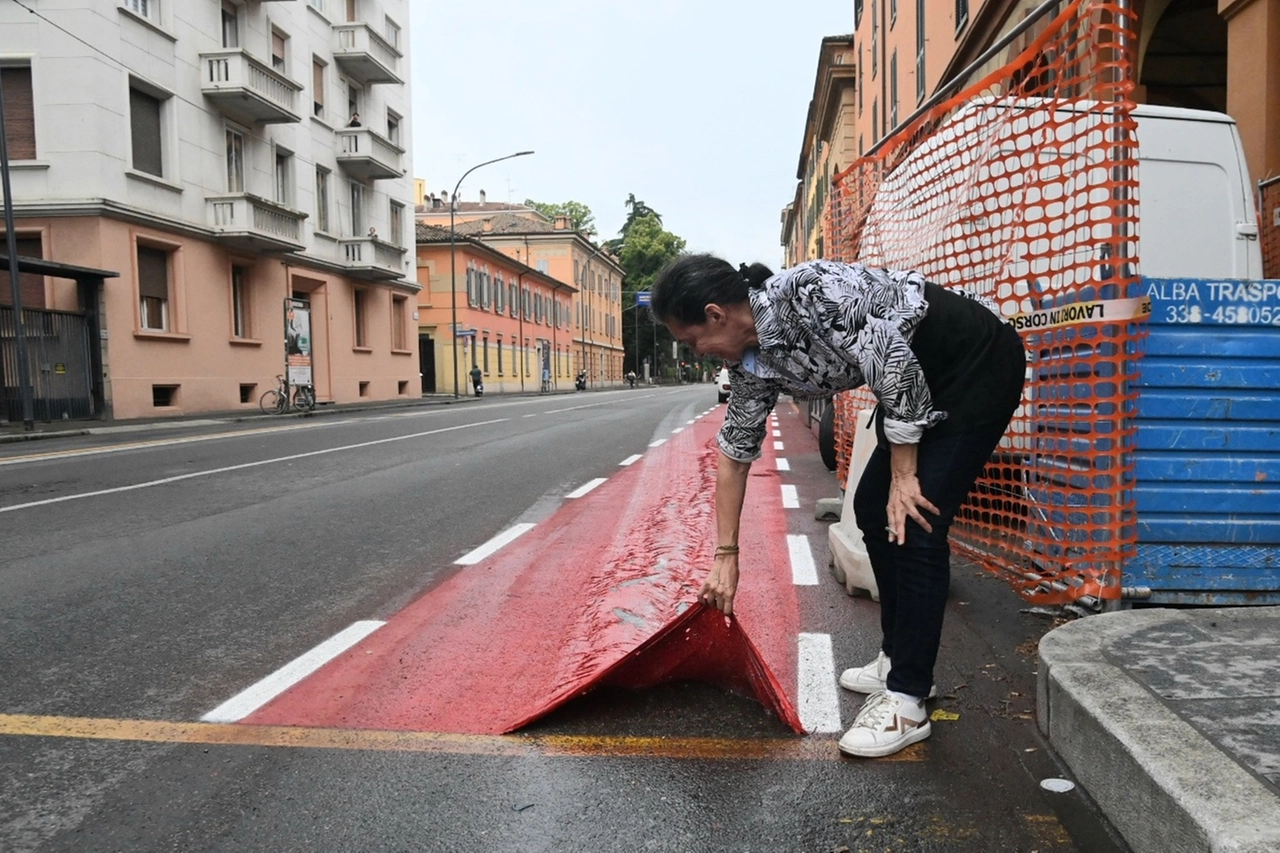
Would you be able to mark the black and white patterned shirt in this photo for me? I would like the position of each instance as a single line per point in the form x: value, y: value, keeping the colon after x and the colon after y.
x: 826, y: 327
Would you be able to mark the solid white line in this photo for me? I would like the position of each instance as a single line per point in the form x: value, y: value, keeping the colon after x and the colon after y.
x: 803, y: 570
x: 658, y: 443
x: 506, y: 537
x: 160, y: 442
x: 790, y: 499
x: 777, y: 445
x: 819, y: 704
x: 585, y: 487
x: 630, y: 460
x: 245, y: 465
x: 782, y: 464
x: 254, y: 697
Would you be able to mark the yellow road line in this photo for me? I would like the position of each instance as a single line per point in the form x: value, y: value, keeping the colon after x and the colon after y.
x: 304, y: 737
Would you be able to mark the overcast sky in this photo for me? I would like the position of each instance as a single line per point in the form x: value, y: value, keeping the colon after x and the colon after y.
x: 696, y: 106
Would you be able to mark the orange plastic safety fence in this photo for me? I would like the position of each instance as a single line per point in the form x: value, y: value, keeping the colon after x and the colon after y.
x: 1022, y: 189
x: 1269, y: 214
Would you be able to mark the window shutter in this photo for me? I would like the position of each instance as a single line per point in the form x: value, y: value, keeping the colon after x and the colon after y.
x: 153, y: 272
x: 144, y: 118
x: 19, y: 113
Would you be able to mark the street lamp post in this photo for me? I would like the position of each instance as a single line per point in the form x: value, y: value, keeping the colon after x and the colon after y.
x: 453, y: 259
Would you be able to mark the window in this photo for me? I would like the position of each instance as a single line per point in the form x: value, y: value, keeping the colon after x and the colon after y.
x: 513, y: 301
x: 861, y: 68
x: 230, y: 25
x: 153, y: 288
x: 541, y: 266
x: 893, y: 90
x: 235, y: 161
x: 393, y: 127
x: 357, y: 209
x: 486, y: 354
x: 144, y: 124
x: 279, y: 50
x: 143, y: 8
x: 499, y: 355
x: 962, y: 14
x: 322, y: 199
x: 239, y: 301
x: 893, y: 13
x: 397, y: 223
x: 391, y: 31
x: 318, y: 5
x: 473, y: 297
x: 919, y: 51
x: 399, y: 318
x: 875, y: 119
x: 857, y: 13
x: 351, y: 11
x: 353, y: 104
x: 284, y: 176
x: 499, y: 306
x: 360, y: 308
x: 317, y: 88
x: 875, y: 40
x: 19, y: 112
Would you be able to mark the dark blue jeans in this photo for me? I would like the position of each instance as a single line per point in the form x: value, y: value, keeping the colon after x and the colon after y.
x: 914, y: 577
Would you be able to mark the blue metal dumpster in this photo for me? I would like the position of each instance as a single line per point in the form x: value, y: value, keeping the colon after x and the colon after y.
x: 1208, y: 445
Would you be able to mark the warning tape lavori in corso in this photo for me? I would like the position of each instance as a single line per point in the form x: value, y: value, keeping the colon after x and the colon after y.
x: 1097, y: 311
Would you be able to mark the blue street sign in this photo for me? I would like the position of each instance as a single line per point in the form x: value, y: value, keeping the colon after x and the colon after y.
x: 642, y: 297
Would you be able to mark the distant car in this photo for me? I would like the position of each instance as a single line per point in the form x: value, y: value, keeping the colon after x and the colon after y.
x: 722, y: 385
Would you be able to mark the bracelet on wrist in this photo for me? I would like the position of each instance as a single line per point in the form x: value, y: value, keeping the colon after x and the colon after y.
x: 726, y: 549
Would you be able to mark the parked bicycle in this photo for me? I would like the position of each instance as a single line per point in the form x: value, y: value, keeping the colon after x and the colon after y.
x: 276, y: 400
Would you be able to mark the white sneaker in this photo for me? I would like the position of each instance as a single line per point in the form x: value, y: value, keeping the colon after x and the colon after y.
x: 871, y: 678
x: 886, y: 724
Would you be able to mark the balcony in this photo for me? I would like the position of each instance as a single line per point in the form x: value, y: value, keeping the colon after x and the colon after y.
x: 247, y: 222
x: 367, y: 155
x: 248, y: 90
x: 364, y: 55
x: 373, y: 259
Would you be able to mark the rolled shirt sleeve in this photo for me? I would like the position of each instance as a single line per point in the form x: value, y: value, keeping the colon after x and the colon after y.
x: 895, y: 377
x: 751, y: 398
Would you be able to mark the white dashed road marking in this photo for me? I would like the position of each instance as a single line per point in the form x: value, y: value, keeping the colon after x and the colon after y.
x: 585, y: 487
x: 504, y: 538
x: 782, y: 464
x: 630, y: 460
x: 819, y: 704
x: 255, y: 696
x: 803, y: 570
x: 790, y: 498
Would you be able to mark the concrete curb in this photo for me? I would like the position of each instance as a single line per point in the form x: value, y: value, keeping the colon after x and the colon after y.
x: 1161, y: 783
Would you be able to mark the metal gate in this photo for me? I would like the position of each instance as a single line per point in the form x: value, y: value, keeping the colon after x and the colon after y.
x: 58, y: 361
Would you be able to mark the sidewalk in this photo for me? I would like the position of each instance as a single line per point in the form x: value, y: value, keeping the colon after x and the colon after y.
x: 1170, y: 720
x: 14, y: 431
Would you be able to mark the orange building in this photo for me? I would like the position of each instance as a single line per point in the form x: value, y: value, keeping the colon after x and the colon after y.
x: 557, y: 250
x: 514, y: 321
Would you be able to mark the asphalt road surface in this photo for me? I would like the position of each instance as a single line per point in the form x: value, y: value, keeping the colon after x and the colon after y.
x: 147, y: 577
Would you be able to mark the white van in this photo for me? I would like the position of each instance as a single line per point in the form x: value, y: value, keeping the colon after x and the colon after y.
x: 1196, y: 211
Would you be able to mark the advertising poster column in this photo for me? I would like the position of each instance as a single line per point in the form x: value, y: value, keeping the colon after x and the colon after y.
x: 297, y: 342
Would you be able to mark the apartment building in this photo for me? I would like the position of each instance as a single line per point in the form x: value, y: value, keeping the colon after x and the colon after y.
x: 514, y: 321
x: 232, y: 161
x: 557, y: 250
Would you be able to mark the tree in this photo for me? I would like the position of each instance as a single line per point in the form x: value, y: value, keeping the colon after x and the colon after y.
x: 580, y: 216
x: 644, y: 250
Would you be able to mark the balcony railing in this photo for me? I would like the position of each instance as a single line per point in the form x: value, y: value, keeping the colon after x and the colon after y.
x: 367, y: 155
x: 364, y: 55
x: 248, y: 222
x: 248, y: 90
x: 369, y: 257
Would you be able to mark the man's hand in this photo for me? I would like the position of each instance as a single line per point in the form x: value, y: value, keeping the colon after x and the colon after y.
x: 721, y: 584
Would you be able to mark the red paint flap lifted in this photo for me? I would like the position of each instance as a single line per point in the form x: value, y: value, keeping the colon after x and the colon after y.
x: 601, y: 593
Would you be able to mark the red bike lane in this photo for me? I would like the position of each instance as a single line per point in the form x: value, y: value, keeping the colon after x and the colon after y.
x: 603, y: 592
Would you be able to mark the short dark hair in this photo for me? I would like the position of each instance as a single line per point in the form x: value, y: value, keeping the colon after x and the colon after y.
x: 684, y: 287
